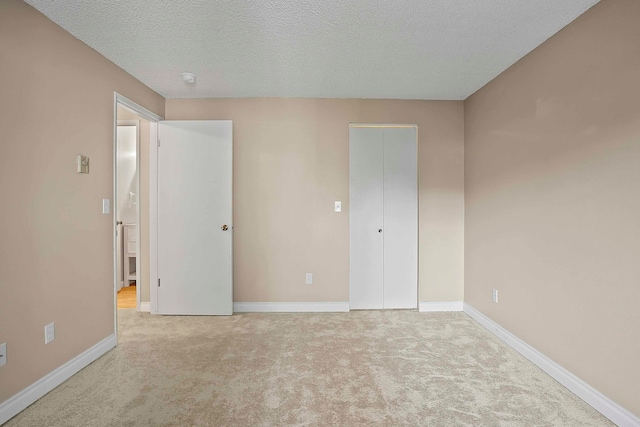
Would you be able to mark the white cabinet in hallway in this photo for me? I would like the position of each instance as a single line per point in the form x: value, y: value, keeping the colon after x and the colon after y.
x: 130, y: 242
x: 383, y: 218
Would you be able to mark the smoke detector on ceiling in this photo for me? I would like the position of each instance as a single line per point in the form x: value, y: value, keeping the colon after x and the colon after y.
x: 189, y: 78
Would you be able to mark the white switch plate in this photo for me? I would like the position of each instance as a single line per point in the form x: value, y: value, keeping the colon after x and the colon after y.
x: 495, y: 295
x: 309, y: 279
x: 106, y: 206
x: 338, y: 206
x: 3, y: 353
x: 49, y: 333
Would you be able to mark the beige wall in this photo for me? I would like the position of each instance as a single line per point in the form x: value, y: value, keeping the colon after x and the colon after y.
x: 552, y: 195
x: 552, y: 177
x: 56, y: 250
x: 291, y: 162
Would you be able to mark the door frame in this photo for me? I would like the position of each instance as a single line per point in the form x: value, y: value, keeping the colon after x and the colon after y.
x: 398, y: 125
x: 153, y: 118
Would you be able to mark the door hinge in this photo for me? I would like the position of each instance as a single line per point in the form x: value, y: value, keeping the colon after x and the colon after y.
x: 158, y: 142
x: 158, y: 282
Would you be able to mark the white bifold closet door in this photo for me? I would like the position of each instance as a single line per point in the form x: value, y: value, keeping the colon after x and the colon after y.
x: 383, y: 219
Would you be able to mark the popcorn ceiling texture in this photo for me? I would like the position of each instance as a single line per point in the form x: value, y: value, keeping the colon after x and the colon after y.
x: 411, y: 49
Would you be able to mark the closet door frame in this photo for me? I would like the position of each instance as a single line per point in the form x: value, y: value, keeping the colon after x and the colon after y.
x: 356, y: 262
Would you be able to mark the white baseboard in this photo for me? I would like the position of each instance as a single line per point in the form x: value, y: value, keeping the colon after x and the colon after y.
x: 16, y: 404
x: 290, y: 307
x: 440, y: 306
x: 145, y: 307
x: 601, y: 403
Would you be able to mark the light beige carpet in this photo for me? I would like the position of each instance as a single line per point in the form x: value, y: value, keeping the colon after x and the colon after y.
x: 367, y: 368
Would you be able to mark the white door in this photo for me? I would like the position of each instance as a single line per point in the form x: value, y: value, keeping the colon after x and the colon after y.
x: 400, y: 218
x: 366, y: 163
x: 383, y: 219
x: 195, y: 218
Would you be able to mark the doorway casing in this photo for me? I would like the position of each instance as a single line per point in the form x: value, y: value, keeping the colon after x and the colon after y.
x: 122, y: 101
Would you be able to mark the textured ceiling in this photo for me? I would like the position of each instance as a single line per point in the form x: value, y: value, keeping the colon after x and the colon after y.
x: 404, y: 49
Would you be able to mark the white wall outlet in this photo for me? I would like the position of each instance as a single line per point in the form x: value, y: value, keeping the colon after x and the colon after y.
x: 338, y: 206
x: 495, y: 295
x: 309, y: 278
x: 106, y: 206
x: 49, y: 333
x: 3, y: 353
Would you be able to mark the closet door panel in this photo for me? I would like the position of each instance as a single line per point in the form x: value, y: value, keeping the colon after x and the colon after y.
x: 400, y: 218
x: 365, y: 219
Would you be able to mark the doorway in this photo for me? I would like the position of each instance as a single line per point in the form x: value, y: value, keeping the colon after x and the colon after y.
x: 194, y: 163
x: 134, y: 129
x: 127, y: 210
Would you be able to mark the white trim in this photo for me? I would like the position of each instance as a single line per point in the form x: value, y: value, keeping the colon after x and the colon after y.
x: 114, y: 216
x: 138, y: 218
x: 385, y: 125
x: 584, y: 391
x: 433, y: 306
x: 290, y: 307
x: 153, y: 218
x: 136, y: 108
x: 19, y: 402
x: 145, y: 307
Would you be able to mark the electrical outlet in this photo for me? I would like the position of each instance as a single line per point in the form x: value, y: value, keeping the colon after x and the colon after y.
x: 309, y: 279
x: 49, y: 333
x: 3, y: 353
x: 495, y: 295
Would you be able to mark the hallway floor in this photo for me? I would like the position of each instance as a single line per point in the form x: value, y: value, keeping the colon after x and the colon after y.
x: 127, y: 297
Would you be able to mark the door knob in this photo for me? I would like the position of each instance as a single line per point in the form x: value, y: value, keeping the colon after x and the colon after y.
x: 225, y: 227
x: 118, y: 222
x: 379, y: 230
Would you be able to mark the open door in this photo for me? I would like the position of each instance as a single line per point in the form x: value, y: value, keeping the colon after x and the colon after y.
x: 194, y: 214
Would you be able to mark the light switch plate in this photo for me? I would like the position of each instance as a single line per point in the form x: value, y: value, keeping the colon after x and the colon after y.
x: 338, y: 206
x: 83, y: 164
x: 3, y: 353
x: 106, y: 206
